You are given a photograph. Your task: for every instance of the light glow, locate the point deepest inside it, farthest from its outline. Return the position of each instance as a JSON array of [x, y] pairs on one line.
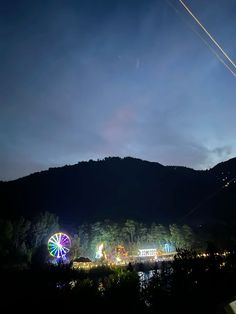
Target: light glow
[[100, 252]]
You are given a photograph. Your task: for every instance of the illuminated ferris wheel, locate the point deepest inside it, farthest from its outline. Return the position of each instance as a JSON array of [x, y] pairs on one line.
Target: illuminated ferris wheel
[[59, 245]]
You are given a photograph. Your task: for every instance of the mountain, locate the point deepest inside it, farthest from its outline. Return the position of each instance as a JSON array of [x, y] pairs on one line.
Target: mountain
[[121, 188]]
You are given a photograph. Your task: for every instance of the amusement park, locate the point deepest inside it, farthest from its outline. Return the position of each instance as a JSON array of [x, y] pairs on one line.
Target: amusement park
[[59, 245]]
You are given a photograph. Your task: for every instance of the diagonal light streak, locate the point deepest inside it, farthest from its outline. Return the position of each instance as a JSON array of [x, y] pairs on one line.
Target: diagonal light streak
[[216, 54], [204, 41], [209, 35]]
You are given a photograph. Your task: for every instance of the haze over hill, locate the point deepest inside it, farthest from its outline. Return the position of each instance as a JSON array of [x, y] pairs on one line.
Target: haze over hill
[[120, 188]]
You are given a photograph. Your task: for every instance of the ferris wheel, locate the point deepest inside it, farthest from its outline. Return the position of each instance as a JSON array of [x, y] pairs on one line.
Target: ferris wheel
[[59, 245]]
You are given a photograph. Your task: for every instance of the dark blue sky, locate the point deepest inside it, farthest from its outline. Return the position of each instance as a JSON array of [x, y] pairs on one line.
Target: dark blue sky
[[87, 79]]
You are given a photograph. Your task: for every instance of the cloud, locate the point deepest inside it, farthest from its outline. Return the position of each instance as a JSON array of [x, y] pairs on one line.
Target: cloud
[[222, 152], [91, 79]]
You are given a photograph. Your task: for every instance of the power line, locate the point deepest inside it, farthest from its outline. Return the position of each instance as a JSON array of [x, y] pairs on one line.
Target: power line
[[212, 39]]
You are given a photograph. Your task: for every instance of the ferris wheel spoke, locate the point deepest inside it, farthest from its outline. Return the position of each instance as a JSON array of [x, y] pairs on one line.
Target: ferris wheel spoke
[[58, 252], [61, 252], [53, 249], [66, 249], [53, 240], [52, 245], [59, 237]]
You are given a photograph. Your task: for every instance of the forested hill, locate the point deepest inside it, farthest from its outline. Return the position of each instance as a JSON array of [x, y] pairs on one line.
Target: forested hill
[[121, 188]]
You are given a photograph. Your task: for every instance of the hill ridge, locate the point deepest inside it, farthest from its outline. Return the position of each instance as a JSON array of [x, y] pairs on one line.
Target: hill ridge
[[117, 188]]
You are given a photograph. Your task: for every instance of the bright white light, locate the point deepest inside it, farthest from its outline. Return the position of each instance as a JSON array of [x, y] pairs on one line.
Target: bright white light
[[147, 252], [99, 251]]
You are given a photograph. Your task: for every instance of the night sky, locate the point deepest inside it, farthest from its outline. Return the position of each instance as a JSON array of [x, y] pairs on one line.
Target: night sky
[[82, 80]]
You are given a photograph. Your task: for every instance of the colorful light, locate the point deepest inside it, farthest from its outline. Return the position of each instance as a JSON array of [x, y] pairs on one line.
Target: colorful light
[[59, 245]]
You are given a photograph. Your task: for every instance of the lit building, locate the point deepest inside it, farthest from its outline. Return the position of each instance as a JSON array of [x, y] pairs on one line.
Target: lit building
[[147, 252]]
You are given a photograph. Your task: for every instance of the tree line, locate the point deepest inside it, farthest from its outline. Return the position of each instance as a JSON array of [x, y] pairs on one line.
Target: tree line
[[132, 235], [23, 241]]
